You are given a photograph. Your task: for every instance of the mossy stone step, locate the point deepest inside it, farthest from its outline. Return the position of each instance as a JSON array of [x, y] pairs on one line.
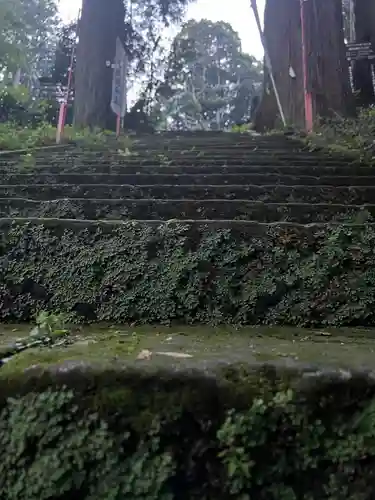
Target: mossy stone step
[[246, 160], [201, 144], [170, 169], [218, 146], [99, 344], [161, 272], [230, 159], [205, 136], [178, 209], [232, 149], [187, 179], [240, 228], [156, 156], [356, 195], [186, 166]]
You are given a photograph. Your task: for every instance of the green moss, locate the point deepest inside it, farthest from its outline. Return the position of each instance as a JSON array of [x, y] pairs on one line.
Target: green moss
[[105, 345], [98, 348], [254, 275], [143, 432]]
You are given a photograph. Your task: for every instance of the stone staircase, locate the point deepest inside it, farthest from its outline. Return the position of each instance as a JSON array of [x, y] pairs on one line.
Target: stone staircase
[[75, 250], [190, 177]]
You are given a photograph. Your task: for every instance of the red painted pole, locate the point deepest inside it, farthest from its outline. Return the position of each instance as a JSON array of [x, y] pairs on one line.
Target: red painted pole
[[309, 117], [118, 126], [65, 103], [60, 123]]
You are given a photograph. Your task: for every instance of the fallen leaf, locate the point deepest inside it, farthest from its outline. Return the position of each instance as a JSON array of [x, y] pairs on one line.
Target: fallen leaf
[[145, 354]]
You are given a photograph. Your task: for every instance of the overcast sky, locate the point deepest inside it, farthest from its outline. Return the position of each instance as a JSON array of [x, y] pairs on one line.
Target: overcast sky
[[236, 12]]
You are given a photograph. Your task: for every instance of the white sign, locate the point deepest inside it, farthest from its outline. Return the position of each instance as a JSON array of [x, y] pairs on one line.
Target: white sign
[[118, 102]]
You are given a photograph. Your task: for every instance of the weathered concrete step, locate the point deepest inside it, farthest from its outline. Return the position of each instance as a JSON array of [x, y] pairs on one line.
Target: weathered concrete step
[[187, 179], [253, 158], [355, 195], [242, 228], [219, 146], [145, 151], [224, 142], [149, 209], [226, 152], [107, 168], [135, 161], [159, 156], [204, 135]]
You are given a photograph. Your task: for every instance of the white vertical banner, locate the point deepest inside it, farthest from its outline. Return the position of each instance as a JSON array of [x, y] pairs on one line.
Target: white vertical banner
[[119, 97]]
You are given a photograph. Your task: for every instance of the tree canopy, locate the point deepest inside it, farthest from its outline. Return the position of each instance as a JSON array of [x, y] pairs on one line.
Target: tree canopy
[[27, 29], [204, 80], [140, 25], [209, 81]]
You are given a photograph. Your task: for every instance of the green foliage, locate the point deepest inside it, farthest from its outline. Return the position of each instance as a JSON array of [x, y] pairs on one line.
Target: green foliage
[[71, 453], [237, 433], [13, 137], [67, 40], [96, 138], [52, 324], [26, 30], [23, 138], [54, 450], [135, 272], [209, 81], [27, 160], [311, 446], [241, 128], [17, 107], [347, 135]]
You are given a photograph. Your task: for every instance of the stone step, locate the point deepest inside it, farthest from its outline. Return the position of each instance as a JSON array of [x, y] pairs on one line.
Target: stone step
[[206, 137], [220, 146], [242, 228], [356, 195], [157, 143], [187, 179], [181, 160], [224, 152], [107, 168], [88, 156], [148, 209]]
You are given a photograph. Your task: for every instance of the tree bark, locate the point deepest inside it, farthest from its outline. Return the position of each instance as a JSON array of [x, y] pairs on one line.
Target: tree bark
[[101, 23], [328, 72], [282, 32], [329, 68], [364, 11]]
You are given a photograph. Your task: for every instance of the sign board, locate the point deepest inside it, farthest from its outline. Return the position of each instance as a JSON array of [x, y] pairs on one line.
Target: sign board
[[118, 101], [359, 51]]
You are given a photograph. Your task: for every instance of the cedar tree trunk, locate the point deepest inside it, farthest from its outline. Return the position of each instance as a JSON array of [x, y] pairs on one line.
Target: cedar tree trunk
[[328, 73], [101, 23]]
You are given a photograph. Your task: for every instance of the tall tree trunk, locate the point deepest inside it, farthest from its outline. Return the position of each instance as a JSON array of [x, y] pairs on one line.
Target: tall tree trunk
[[328, 68], [328, 74], [101, 23], [282, 32], [364, 11]]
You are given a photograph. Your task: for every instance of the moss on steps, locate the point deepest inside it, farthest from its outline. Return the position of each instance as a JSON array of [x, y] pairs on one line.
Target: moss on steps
[[194, 347]]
